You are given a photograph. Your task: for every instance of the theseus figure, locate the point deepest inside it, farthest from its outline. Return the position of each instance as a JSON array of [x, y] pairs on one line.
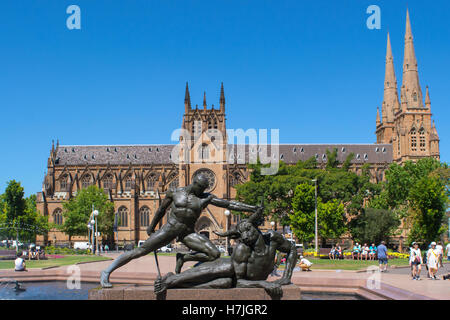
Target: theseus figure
[[186, 205], [251, 263]]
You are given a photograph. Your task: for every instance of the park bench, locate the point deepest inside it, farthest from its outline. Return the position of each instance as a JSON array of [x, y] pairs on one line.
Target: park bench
[[7, 254]]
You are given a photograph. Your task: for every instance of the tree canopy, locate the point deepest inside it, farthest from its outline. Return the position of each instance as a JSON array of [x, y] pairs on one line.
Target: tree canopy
[[77, 212]]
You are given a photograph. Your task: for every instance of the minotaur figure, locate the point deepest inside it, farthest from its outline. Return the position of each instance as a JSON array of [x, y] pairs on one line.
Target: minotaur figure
[[186, 205]]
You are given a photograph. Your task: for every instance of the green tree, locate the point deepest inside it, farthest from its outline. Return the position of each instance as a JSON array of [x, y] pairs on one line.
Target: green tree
[[15, 203], [32, 223], [77, 212], [330, 215], [400, 179], [303, 219], [374, 225], [429, 202], [331, 220], [19, 216]]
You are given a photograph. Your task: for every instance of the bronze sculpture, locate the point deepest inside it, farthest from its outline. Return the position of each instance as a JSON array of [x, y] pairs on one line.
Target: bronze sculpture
[[186, 205], [250, 264]]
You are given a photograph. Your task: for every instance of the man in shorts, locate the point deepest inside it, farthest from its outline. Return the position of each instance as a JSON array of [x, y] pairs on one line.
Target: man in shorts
[[382, 256]]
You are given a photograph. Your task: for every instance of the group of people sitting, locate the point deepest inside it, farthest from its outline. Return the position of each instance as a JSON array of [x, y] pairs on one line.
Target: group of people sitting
[[335, 252], [34, 252], [364, 252]]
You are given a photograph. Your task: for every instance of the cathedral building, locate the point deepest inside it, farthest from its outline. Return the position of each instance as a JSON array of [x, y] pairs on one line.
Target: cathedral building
[[136, 177]]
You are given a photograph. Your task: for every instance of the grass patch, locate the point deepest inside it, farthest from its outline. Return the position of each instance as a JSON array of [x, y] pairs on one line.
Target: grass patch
[[348, 264], [67, 260]]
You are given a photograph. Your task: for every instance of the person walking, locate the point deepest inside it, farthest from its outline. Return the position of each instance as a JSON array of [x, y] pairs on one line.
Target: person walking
[[415, 261], [440, 249], [382, 256], [433, 261]]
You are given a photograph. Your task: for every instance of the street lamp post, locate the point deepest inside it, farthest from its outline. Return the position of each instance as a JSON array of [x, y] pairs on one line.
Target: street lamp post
[[95, 214], [272, 223], [93, 235], [315, 220], [89, 234], [227, 214]]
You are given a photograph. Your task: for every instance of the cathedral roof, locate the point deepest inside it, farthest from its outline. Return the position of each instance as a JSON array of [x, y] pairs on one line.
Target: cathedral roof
[[292, 153], [114, 154], [161, 154]]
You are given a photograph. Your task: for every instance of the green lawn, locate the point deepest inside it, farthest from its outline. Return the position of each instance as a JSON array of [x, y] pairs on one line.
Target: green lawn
[[348, 264], [67, 260]]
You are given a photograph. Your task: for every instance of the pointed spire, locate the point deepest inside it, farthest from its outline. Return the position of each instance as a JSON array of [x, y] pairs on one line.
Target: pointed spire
[[391, 102], [427, 100], [378, 117], [434, 132], [187, 99], [408, 31], [222, 99], [204, 100], [411, 92]]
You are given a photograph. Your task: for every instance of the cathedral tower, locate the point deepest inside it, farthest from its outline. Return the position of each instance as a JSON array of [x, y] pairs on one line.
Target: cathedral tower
[[406, 125]]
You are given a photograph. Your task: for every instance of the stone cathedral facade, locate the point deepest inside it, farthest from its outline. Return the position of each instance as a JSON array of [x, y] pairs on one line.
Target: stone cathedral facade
[[136, 177]]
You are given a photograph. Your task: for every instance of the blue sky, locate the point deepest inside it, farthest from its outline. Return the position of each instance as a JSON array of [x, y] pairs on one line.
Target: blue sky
[[309, 68]]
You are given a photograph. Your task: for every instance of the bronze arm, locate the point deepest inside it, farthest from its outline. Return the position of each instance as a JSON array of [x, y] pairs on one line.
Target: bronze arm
[[233, 205], [159, 214]]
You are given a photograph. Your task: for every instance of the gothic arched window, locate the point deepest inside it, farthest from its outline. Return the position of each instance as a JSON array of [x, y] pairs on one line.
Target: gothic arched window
[[128, 182], [108, 181], [413, 139], [63, 183], [422, 144], [144, 216], [203, 151], [123, 217], [151, 182], [57, 217], [235, 179], [86, 181]]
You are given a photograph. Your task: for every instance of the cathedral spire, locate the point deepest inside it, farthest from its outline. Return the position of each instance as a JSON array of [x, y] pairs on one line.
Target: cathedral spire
[[204, 100], [434, 131], [187, 99], [378, 117], [411, 92], [427, 100], [222, 99], [390, 103]]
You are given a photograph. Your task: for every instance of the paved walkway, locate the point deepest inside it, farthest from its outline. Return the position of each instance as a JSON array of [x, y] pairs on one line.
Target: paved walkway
[[398, 277], [143, 270]]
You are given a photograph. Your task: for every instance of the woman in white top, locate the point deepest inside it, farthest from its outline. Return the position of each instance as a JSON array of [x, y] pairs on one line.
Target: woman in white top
[[433, 260], [415, 261]]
